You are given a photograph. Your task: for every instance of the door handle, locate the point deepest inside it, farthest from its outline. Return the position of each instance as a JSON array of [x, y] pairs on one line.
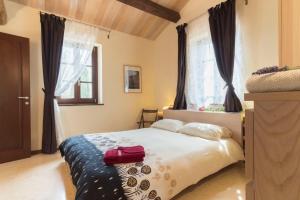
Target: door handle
[[26, 98]]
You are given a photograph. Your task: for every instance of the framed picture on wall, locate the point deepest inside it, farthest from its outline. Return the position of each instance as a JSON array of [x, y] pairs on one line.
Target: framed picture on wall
[[133, 79]]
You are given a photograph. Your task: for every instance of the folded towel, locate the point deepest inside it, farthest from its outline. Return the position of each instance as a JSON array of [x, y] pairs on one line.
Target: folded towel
[[267, 70], [274, 82], [124, 155]]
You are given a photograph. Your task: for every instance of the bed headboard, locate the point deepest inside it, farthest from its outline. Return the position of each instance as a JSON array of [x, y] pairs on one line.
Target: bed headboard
[[233, 121]]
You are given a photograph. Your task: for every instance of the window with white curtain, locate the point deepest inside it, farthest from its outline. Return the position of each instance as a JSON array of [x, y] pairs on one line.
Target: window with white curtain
[[86, 89], [79, 80], [204, 85]]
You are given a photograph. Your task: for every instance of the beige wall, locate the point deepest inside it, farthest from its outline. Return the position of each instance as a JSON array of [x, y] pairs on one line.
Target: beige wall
[[120, 110], [260, 40]]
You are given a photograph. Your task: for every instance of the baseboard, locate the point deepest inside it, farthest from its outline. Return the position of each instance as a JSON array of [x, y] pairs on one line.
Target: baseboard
[[35, 152]]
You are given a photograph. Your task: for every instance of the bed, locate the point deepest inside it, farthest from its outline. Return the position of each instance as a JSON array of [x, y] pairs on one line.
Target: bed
[[173, 161]]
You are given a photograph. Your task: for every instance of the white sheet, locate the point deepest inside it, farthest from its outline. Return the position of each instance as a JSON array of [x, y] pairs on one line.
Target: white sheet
[[176, 160]]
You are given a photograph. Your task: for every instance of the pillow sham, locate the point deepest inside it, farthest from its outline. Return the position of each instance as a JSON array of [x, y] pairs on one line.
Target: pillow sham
[[206, 131], [168, 124]]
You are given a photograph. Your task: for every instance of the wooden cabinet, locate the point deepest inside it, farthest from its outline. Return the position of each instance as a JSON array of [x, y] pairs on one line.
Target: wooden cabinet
[[273, 146], [289, 32]]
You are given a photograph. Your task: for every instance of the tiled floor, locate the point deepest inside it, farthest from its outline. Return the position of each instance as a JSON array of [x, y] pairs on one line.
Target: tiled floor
[[45, 177]]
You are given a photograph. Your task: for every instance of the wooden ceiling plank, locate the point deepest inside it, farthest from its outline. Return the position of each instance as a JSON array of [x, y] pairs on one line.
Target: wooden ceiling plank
[[41, 4], [158, 31], [64, 7], [80, 9], [154, 9], [153, 27], [49, 5], [34, 3], [179, 4], [139, 26], [91, 11], [72, 9], [133, 17], [101, 11], [107, 15], [121, 18], [148, 27], [111, 14]]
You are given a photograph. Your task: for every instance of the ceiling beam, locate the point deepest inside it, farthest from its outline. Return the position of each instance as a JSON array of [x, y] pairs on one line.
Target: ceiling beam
[[154, 9]]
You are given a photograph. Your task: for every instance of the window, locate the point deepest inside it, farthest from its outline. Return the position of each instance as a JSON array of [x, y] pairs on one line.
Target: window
[[85, 90], [204, 85]]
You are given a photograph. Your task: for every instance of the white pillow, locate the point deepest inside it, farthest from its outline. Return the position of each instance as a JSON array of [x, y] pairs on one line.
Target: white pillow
[[168, 124], [206, 131]]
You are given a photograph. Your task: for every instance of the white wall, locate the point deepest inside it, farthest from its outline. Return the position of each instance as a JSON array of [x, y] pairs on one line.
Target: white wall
[[260, 40], [120, 110]]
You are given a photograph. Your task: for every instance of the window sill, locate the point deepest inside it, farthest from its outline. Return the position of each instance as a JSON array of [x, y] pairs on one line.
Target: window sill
[[81, 104]]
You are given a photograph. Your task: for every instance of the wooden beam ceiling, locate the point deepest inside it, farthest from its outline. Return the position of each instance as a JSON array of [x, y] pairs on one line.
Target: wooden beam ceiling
[[154, 9], [110, 14]]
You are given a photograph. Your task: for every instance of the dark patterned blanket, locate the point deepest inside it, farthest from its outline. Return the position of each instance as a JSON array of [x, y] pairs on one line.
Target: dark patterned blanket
[[92, 178]]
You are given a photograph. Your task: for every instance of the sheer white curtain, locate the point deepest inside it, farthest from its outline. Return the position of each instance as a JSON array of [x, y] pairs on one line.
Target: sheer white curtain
[[204, 84], [79, 41]]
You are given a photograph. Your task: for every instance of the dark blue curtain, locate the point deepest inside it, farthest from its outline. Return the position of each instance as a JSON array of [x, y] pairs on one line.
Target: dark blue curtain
[[52, 28], [223, 28], [180, 100]]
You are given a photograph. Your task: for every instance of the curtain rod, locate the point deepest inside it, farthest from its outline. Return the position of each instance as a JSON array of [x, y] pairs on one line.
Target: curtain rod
[[81, 22], [193, 19]]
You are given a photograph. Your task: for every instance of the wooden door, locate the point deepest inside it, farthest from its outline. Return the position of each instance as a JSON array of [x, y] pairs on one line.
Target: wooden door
[[14, 98]]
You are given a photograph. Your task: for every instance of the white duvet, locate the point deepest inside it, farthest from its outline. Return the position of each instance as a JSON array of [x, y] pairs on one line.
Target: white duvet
[[173, 161]]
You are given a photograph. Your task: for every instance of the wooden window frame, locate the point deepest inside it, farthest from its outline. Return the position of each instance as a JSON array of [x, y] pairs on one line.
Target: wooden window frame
[[81, 101]]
